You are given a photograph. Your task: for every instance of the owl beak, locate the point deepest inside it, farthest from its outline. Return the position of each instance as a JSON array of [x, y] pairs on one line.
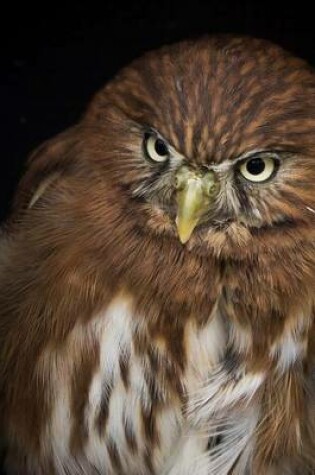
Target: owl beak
[[195, 192]]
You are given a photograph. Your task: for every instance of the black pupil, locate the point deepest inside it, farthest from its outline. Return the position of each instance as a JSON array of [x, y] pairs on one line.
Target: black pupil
[[255, 166], [160, 147]]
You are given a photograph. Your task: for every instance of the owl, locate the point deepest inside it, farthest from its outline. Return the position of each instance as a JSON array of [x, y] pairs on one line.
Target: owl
[[157, 274]]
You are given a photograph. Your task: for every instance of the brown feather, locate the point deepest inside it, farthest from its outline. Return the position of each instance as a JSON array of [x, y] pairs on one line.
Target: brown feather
[[89, 240]]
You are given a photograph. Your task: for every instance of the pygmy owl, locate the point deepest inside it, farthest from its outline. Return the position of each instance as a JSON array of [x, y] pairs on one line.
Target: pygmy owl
[[157, 274]]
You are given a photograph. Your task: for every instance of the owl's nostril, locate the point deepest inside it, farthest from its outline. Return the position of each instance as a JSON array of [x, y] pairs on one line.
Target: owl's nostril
[[210, 191], [181, 178], [209, 183]]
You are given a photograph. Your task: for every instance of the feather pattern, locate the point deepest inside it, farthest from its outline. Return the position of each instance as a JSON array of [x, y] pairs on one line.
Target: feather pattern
[[123, 351]]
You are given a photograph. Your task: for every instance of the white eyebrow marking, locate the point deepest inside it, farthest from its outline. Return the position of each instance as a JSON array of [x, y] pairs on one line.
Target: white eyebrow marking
[[310, 209]]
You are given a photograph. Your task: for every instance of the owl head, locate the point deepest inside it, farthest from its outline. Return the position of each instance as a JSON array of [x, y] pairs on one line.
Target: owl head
[[209, 144]]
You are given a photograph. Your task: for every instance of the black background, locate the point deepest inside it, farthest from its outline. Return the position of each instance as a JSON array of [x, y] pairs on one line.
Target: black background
[[55, 56]]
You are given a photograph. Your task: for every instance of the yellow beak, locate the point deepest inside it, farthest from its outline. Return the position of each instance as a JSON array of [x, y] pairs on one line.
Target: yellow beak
[[194, 195]]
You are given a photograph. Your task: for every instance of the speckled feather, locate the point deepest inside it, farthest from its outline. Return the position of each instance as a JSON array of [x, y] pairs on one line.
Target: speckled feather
[[124, 351]]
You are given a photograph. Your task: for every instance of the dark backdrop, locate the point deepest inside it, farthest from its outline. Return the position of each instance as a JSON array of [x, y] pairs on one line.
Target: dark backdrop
[[54, 57]]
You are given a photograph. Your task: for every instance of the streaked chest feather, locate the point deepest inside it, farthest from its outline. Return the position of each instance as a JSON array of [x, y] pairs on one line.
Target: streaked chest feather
[[120, 396], [123, 405]]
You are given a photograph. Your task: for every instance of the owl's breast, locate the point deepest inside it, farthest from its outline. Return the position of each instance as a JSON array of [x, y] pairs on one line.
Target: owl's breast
[[119, 394]]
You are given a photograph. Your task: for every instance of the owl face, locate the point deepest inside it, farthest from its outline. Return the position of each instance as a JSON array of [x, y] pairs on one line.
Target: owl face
[[216, 142], [209, 144], [214, 195]]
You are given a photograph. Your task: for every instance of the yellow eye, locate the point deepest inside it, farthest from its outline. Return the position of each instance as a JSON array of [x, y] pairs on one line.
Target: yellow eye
[[156, 149], [258, 169]]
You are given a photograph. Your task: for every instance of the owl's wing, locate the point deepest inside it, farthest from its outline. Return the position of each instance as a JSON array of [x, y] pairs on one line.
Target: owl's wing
[[32, 256]]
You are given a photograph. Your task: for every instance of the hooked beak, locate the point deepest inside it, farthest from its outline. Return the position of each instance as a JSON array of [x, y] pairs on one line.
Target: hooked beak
[[195, 191]]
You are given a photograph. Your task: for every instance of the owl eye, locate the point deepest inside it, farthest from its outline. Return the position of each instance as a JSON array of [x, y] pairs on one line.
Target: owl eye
[[155, 148], [258, 169]]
